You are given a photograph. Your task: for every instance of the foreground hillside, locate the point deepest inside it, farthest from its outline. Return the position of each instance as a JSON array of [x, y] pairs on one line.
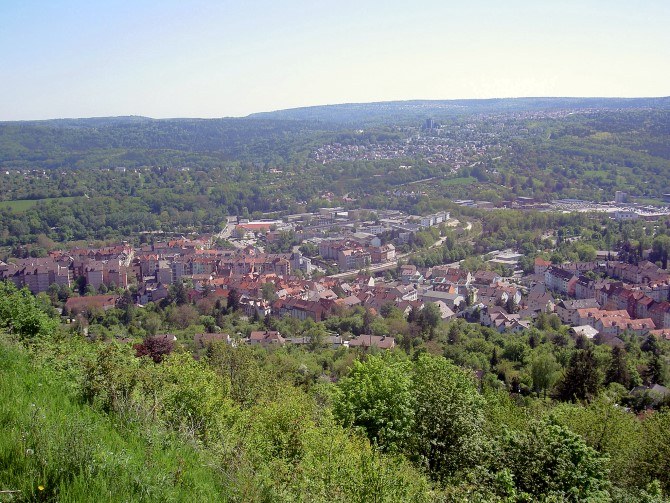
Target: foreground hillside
[[91, 421], [55, 447]]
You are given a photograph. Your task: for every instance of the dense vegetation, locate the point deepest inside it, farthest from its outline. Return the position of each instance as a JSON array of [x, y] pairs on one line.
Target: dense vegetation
[[541, 421], [417, 110]]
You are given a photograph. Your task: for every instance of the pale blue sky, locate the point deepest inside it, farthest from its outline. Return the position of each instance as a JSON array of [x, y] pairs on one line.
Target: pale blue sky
[[203, 58]]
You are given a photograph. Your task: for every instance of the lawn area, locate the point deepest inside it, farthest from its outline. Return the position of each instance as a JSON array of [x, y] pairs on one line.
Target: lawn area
[[602, 135], [468, 180], [21, 205], [651, 201]]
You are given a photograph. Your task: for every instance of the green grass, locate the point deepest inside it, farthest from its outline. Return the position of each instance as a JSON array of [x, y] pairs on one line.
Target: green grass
[[651, 201], [21, 205], [468, 180], [54, 448], [602, 135]]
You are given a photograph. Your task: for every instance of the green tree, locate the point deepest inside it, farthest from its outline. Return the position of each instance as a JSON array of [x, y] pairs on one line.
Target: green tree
[[654, 461], [617, 371], [209, 322], [376, 397], [314, 332], [110, 379], [550, 463], [279, 427], [543, 371], [430, 317], [510, 305], [233, 303], [582, 378], [269, 291], [152, 322], [191, 397], [656, 371], [388, 309], [249, 381], [126, 304], [610, 430], [661, 249], [21, 315], [178, 293], [447, 435]]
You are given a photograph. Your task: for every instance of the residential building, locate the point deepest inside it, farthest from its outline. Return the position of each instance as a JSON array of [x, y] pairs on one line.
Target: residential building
[[266, 338], [559, 280], [368, 341]]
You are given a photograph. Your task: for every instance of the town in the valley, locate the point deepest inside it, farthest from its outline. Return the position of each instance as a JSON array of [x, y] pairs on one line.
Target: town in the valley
[[347, 258]]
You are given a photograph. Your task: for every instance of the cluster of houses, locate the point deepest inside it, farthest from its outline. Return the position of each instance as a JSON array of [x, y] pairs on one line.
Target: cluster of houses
[[361, 236], [615, 298], [426, 142], [358, 252], [598, 299], [273, 338], [103, 266]]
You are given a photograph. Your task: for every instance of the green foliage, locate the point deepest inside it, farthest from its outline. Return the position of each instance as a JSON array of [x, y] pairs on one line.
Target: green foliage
[[376, 396], [582, 378], [176, 418], [550, 463], [276, 427], [189, 396], [252, 424], [111, 378], [448, 423], [284, 243], [618, 371], [544, 371], [654, 460], [269, 291], [610, 430], [53, 448], [22, 316], [240, 366], [430, 317]]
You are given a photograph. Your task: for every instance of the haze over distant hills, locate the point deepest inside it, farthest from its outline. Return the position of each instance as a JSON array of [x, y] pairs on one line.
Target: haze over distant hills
[[401, 111], [385, 111], [276, 137]]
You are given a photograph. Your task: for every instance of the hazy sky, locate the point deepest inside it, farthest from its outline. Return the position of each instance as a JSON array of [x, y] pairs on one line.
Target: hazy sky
[[196, 58]]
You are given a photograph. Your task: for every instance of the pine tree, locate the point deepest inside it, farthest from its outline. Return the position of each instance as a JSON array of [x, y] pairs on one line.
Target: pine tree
[[655, 371], [582, 377], [454, 335], [233, 300], [494, 358], [618, 368]]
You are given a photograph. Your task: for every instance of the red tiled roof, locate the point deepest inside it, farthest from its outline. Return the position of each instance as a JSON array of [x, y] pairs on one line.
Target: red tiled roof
[[76, 304]]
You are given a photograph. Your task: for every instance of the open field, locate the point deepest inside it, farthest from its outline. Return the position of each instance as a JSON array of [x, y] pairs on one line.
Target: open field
[[22, 205], [469, 180]]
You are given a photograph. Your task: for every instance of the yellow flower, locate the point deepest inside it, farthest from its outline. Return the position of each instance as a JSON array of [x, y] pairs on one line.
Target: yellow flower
[[41, 488]]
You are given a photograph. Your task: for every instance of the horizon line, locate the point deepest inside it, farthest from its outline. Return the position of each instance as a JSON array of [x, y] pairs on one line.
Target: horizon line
[[349, 103]]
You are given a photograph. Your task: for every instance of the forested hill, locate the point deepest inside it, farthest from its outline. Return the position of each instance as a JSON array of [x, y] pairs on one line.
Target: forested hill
[[118, 141], [411, 111], [271, 137]]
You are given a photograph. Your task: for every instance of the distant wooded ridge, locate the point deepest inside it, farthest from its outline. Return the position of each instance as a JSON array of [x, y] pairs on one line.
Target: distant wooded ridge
[[401, 110]]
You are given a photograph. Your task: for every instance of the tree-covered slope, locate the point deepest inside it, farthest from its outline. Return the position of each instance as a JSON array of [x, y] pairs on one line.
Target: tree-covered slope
[[360, 114], [85, 420]]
